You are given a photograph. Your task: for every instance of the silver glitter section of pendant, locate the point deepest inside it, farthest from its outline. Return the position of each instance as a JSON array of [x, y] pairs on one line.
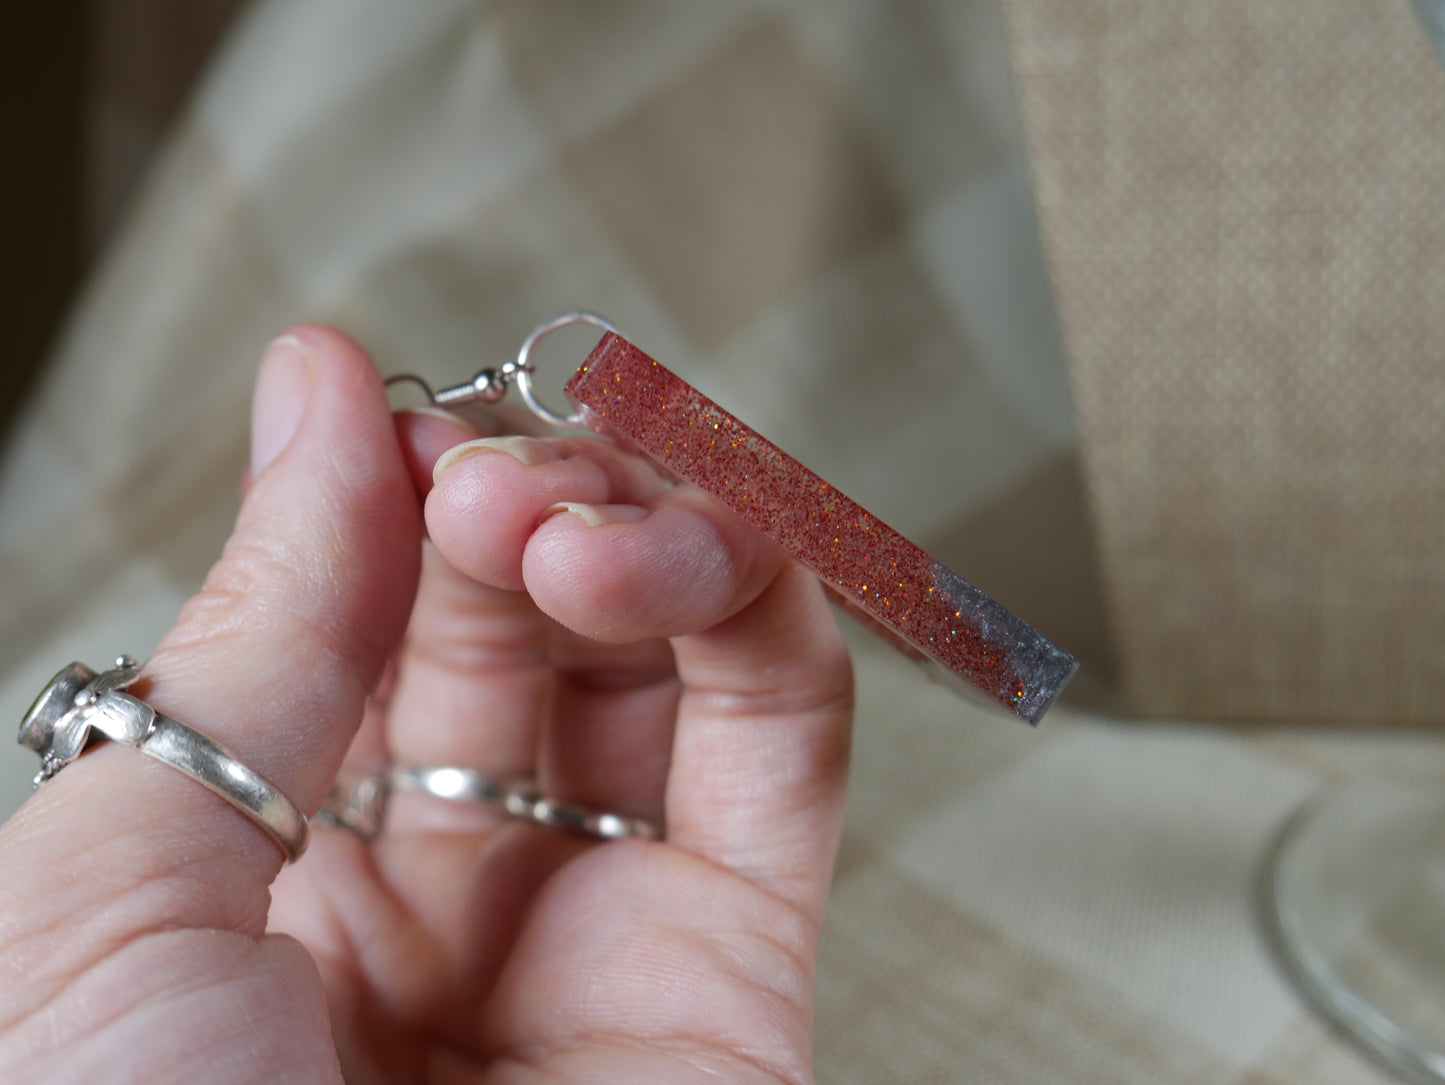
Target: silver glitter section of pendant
[[1042, 667]]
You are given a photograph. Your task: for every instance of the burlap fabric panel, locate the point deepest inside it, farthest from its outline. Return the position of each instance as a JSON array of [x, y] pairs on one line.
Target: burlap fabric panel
[[1242, 205]]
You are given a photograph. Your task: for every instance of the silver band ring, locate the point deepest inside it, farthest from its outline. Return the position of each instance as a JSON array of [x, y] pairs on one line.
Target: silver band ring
[[80, 707], [355, 802], [358, 803], [531, 805], [448, 782]]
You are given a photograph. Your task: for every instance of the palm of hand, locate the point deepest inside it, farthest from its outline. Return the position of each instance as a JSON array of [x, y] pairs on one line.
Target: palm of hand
[[628, 962], [463, 946]]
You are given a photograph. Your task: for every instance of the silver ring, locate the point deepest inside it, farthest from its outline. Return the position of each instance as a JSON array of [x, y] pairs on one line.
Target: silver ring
[[523, 364], [355, 802], [358, 802], [448, 782], [529, 804], [80, 707]]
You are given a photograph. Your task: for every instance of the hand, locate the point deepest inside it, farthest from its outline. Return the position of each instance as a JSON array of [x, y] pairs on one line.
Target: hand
[[642, 651]]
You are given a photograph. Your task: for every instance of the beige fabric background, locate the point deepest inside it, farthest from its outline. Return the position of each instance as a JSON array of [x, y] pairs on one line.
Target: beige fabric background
[[1242, 206], [822, 214]]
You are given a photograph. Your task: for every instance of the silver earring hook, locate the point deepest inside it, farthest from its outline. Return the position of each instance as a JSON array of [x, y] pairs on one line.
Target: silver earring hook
[[490, 385]]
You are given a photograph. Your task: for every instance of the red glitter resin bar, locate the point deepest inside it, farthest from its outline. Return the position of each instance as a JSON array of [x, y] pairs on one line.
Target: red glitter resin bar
[[926, 609]]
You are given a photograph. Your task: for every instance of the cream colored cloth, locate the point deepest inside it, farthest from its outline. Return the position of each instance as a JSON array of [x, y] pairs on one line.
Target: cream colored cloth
[[818, 212]]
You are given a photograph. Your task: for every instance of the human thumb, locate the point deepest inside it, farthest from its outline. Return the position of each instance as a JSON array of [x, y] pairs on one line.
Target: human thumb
[[273, 659]]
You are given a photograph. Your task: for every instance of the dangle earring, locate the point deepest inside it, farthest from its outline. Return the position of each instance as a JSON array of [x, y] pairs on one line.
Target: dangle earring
[[926, 610]]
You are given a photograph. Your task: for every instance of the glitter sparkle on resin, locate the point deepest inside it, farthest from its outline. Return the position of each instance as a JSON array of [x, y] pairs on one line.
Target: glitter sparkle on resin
[[926, 609]]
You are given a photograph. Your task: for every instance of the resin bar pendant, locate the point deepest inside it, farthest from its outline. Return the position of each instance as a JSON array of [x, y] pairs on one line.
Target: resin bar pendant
[[927, 610]]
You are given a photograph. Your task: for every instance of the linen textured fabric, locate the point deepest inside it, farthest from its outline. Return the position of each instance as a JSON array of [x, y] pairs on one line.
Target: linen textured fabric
[[821, 214], [1239, 204]]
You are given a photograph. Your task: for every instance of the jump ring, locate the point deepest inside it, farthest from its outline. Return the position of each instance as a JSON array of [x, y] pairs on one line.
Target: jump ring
[[524, 361]]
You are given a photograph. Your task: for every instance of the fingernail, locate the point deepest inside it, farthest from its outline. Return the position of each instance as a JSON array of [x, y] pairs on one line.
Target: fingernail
[[597, 515], [282, 388], [526, 450]]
